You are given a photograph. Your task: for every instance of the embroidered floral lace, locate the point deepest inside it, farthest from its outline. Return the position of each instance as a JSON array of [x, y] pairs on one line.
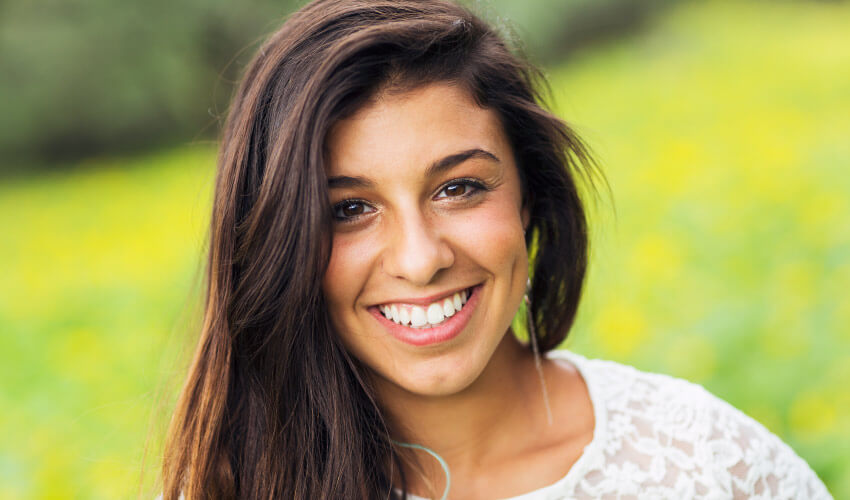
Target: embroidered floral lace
[[657, 437]]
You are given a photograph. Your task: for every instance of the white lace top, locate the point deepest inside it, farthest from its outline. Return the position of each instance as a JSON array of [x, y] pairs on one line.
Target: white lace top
[[658, 437]]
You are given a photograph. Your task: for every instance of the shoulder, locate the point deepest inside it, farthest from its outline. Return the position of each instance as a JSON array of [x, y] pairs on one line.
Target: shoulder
[[674, 432]]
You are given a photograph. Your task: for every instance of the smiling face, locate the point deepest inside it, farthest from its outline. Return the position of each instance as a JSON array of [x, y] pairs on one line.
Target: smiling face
[[429, 264]]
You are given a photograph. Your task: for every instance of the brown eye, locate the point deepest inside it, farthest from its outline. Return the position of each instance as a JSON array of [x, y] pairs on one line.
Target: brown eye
[[455, 190], [460, 189], [351, 209]]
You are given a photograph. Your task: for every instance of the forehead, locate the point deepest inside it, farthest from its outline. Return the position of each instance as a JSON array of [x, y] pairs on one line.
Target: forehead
[[413, 128]]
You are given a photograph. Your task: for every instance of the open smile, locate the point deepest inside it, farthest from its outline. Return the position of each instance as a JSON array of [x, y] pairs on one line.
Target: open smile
[[428, 321], [428, 315]]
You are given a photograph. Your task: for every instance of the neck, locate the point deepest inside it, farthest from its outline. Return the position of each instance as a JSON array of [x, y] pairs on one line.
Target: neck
[[480, 423]]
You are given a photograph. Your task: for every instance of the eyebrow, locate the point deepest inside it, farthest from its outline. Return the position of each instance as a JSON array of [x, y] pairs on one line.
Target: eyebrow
[[438, 167]]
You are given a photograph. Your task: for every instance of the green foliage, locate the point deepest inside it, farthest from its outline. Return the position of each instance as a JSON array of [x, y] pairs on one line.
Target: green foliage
[[550, 30], [83, 77], [722, 133], [98, 264]]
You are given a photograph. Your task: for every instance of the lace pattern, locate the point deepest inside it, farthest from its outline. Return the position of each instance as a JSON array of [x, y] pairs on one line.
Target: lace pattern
[[658, 437]]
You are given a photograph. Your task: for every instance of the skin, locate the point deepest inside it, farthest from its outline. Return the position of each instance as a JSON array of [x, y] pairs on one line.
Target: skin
[[407, 231]]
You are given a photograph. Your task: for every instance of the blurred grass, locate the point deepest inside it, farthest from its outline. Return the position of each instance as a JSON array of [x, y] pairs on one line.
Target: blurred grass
[[722, 131], [98, 266]]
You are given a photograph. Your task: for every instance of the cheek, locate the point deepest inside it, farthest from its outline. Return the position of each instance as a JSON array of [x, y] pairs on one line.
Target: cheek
[[493, 235], [347, 272]]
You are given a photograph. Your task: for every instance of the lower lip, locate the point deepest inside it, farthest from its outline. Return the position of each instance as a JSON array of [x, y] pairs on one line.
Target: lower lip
[[443, 332]]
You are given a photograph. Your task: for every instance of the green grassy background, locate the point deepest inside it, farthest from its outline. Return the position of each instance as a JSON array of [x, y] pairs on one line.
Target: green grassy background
[[723, 132]]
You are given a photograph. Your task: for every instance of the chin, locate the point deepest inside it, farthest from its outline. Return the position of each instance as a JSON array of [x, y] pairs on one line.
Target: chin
[[439, 385], [441, 376]]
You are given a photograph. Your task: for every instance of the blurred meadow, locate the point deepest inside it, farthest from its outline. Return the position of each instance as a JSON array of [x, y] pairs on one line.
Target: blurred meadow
[[725, 258]]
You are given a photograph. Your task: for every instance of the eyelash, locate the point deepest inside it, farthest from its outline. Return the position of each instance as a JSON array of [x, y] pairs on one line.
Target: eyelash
[[476, 185]]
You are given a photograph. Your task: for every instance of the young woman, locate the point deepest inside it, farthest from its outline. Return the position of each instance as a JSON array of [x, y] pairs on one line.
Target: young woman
[[390, 195]]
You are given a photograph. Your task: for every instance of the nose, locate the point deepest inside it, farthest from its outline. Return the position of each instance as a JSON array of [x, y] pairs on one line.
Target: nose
[[416, 250]]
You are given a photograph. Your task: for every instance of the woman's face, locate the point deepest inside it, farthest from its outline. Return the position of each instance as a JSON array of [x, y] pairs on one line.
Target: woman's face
[[429, 264]]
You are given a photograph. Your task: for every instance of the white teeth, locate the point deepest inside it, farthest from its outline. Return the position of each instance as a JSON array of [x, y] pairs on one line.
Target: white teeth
[[448, 308], [417, 316], [428, 316], [435, 314]]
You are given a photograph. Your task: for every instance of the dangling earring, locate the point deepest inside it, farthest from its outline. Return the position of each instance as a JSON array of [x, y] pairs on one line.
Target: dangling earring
[[532, 338]]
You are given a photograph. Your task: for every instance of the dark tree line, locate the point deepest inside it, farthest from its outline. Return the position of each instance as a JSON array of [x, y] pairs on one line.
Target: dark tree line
[[85, 77]]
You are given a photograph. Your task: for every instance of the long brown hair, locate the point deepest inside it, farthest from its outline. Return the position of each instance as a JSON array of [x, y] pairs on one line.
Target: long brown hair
[[274, 406]]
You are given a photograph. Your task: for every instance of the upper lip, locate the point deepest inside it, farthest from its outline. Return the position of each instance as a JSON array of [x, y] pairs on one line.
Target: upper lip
[[425, 300]]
